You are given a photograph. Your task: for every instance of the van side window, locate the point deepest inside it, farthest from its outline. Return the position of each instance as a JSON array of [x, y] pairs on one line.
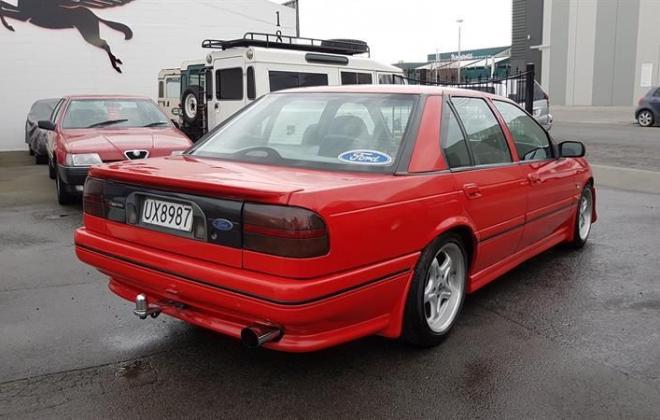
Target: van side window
[[288, 79], [354, 78], [161, 89], [251, 87], [229, 84], [485, 136]]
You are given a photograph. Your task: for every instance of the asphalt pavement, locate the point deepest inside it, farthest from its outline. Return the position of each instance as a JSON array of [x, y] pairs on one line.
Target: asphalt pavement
[[611, 136], [569, 334]]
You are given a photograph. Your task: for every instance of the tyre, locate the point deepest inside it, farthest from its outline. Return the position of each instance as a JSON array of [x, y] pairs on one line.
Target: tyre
[[583, 219], [51, 169], [192, 104], [63, 195], [645, 118], [40, 159], [437, 292]]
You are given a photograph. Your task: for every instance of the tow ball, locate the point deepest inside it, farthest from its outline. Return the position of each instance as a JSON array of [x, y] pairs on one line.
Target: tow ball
[[143, 309]]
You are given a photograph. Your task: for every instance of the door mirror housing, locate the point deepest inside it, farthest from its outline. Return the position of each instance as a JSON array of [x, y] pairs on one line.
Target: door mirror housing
[[572, 149], [46, 125]]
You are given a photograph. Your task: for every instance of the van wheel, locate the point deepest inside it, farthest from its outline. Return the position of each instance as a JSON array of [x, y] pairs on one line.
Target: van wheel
[[437, 292], [192, 104], [63, 195]]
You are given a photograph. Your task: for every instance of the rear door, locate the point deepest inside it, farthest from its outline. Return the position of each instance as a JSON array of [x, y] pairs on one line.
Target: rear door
[[484, 168], [552, 182], [229, 93]]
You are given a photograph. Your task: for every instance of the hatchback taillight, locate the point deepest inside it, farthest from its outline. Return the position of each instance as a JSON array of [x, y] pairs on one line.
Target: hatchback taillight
[[284, 231], [93, 198]]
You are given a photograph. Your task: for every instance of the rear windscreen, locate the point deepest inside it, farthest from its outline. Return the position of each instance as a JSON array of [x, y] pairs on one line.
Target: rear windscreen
[[362, 132]]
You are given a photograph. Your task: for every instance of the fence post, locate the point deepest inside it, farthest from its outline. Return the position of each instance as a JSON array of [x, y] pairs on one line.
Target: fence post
[[529, 88]]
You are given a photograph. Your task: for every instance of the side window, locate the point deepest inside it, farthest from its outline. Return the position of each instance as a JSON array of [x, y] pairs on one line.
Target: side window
[[353, 78], [657, 93], [485, 137], [288, 79], [531, 140], [353, 111], [229, 84], [251, 87], [455, 147], [161, 89], [296, 123]]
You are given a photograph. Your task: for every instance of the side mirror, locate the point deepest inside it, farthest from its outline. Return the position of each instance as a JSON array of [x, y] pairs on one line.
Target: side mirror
[[571, 149], [46, 125]]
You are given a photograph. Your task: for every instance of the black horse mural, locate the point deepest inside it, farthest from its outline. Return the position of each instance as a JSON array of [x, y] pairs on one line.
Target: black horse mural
[[66, 14]]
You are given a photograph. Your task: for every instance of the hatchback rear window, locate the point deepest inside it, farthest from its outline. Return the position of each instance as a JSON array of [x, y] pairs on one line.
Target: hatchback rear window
[[317, 130]]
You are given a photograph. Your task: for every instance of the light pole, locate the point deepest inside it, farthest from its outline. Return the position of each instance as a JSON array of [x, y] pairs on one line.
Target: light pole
[[460, 22]]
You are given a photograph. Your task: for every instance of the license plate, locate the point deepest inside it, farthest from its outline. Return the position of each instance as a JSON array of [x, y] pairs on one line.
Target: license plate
[[167, 214]]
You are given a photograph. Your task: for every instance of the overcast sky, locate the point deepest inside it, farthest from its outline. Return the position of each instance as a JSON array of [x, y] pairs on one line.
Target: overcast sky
[[408, 30]]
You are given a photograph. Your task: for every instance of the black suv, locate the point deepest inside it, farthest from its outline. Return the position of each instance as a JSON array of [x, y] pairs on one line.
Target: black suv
[[648, 111]]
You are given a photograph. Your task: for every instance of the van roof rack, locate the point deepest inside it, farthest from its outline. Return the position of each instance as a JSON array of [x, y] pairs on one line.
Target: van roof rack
[[285, 42]]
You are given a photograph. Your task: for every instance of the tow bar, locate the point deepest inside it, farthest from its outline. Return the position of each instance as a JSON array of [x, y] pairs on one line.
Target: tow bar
[[143, 309]]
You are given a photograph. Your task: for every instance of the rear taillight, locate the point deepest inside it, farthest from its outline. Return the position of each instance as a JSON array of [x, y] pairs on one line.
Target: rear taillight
[[93, 198], [284, 231]]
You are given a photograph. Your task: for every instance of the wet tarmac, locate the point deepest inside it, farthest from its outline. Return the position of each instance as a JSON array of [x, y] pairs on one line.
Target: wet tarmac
[[568, 334]]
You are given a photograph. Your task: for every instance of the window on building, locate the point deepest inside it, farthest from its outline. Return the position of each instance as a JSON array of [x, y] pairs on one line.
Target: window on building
[[251, 87], [288, 79], [455, 146], [229, 84], [485, 137], [531, 140], [354, 78]]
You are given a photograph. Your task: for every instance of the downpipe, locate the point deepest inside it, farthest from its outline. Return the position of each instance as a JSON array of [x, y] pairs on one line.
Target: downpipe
[[256, 336]]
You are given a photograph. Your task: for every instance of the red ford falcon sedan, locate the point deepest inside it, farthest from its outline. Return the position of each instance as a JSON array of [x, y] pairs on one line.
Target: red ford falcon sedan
[[89, 130], [322, 215]]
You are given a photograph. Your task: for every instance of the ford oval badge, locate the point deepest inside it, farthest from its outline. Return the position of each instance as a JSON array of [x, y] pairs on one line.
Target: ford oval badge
[[365, 157], [223, 225]]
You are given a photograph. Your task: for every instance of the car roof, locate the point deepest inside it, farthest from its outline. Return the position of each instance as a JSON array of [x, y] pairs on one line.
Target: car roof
[[395, 89], [71, 97]]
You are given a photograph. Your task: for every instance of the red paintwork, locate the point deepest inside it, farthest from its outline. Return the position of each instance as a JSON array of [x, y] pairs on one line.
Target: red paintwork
[[111, 142], [378, 226]]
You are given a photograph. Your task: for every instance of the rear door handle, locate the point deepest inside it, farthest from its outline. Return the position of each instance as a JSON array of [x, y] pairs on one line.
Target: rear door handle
[[472, 191]]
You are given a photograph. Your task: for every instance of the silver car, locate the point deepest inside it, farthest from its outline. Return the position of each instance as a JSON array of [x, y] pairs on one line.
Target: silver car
[[542, 107]]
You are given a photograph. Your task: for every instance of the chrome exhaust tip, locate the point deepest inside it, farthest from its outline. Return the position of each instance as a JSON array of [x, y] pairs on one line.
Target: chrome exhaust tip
[[255, 336], [143, 309]]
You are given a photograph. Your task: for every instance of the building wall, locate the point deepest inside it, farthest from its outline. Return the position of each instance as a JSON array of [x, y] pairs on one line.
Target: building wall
[[594, 51], [42, 63], [527, 31]]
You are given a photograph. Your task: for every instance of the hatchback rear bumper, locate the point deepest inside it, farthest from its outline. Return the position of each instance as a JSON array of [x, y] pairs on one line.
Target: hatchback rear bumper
[[313, 314]]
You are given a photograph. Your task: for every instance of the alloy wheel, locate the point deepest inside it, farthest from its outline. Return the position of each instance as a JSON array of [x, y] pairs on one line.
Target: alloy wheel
[[444, 287]]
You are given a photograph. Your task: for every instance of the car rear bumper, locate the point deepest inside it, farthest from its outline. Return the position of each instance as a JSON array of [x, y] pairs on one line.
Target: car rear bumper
[[313, 314]]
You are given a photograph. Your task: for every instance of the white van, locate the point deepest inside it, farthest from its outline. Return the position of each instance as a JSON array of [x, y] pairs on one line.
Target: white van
[[169, 92], [241, 70]]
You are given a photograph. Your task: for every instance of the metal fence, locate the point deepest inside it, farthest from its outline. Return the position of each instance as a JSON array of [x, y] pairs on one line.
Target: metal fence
[[518, 87]]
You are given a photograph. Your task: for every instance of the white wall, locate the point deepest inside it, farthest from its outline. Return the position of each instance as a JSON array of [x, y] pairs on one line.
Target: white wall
[[40, 63], [648, 45]]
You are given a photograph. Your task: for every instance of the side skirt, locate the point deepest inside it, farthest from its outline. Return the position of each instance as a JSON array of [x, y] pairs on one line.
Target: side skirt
[[485, 276]]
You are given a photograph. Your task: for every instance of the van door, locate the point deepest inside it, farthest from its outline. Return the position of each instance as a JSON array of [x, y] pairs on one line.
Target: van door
[[229, 94]]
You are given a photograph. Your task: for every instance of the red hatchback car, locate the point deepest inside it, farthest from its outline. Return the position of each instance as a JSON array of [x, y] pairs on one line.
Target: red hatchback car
[[90, 130], [321, 215]]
